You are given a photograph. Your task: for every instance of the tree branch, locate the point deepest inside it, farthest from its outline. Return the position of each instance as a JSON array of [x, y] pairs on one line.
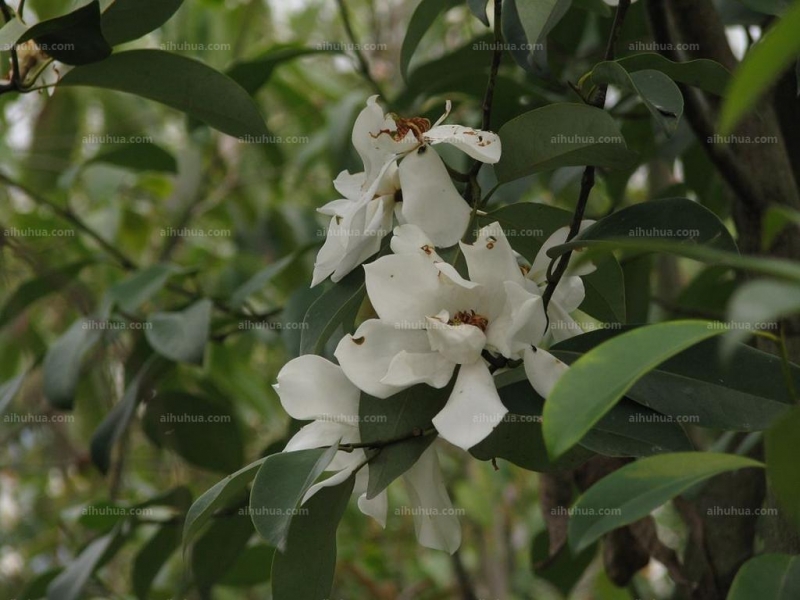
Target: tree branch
[[362, 60]]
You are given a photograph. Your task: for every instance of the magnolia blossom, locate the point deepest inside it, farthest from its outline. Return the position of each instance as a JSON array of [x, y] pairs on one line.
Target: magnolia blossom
[[431, 320], [312, 388], [404, 177]]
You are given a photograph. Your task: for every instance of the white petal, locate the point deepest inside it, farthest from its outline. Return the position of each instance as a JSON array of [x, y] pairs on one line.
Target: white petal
[[322, 434], [570, 293], [435, 524], [350, 186], [461, 344], [538, 272], [404, 289], [562, 325], [430, 200], [311, 387], [365, 356], [350, 462], [480, 145], [330, 255], [490, 260], [363, 231], [521, 324], [543, 370], [411, 368], [376, 507], [372, 139], [473, 410], [410, 239]]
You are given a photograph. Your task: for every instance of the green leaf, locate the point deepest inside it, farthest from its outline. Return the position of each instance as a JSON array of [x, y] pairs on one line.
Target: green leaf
[[304, 571], [763, 65], [138, 157], [35, 289], [605, 292], [782, 448], [538, 17], [127, 20], [219, 548], [561, 135], [674, 219], [743, 392], [181, 336], [657, 91], [253, 74], [759, 305], [250, 568], [280, 484], [137, 289], [151, 558], [597, 380], [702, 73], [634, 491], [185, 423], [776, 219], [9, 389], [337, 306], [478, 8], [768, 7], [425, 14], [74, 39], [178, 82], [62, 363], [118, 419], [216, 497], [70, 582], [384, 419], [768, 577]]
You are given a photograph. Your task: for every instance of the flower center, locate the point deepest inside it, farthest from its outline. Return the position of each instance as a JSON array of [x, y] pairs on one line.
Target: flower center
[[418, 125], [469, 317]]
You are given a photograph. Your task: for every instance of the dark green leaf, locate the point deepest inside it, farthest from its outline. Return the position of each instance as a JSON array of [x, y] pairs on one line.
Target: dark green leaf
[[138, 157], [253, 74], [478, 8], [657, 91], [9, 389], [179, 82], [251, 567], [782, 448], [62, 363], [217, 549], [333, 308], [304, 571], [74, 39], [280, 484], [185, 423], [137, 289], [383, 419], [127, 20], [152, 556], [702, 73], [70, 582], [561, 135]]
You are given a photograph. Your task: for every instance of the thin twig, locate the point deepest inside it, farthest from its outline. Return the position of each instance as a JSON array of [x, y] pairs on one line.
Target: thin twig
[[414, 433], [588, 178], [362, 60]]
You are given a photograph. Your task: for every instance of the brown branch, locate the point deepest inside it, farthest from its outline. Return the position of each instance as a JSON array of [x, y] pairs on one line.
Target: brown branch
[[362, 60]]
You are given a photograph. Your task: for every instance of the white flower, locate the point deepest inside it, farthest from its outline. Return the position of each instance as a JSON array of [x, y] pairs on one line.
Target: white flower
[[401, 175], [312, 388], [432, 319], [570, 292]]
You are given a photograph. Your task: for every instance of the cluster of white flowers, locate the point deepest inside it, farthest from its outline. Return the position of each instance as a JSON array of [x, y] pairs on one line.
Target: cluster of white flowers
[[431, 321]]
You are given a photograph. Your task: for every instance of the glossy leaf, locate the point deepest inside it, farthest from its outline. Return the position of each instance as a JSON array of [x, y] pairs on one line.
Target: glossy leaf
[[597, 380], [217, 550], [634, 491], [254, 73], [62, 363], [335, 307], [478, 8], [74, 39], [152, 557], [179, 82], [561, 135], [127, 20]]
